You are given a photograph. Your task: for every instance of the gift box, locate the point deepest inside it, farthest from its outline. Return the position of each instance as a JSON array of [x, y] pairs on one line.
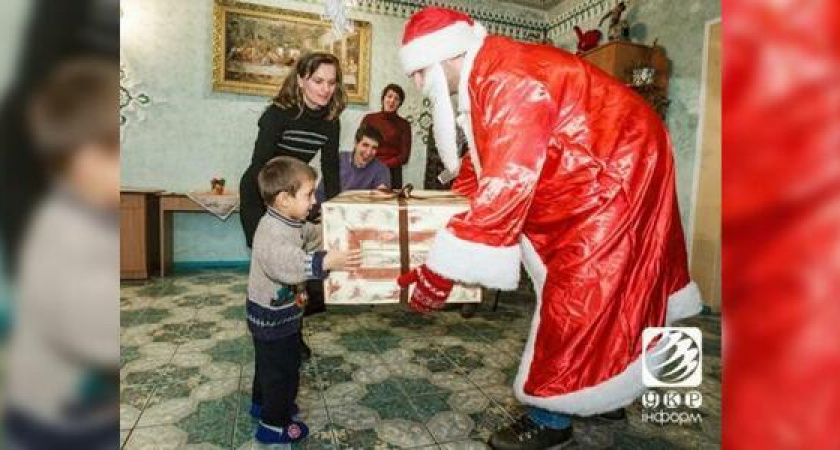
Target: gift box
[[394, 230]]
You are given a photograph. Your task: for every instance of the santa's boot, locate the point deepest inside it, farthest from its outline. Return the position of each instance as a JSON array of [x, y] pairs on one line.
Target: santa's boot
[[525, 434], [614, 415]]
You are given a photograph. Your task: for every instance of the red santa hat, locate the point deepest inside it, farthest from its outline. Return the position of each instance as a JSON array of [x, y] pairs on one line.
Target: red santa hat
[[433, 35], [436, 34]]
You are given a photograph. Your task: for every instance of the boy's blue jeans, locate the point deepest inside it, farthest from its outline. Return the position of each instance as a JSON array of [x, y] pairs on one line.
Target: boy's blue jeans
[[549, 419]]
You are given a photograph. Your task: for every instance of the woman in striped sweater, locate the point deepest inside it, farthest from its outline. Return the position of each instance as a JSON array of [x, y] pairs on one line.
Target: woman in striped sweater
[[301, 121]]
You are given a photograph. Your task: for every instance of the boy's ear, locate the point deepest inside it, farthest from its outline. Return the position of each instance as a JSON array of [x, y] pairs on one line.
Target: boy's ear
[[282, 197]]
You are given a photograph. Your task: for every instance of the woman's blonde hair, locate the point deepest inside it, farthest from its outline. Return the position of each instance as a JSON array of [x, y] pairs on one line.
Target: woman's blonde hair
[[291, 95]]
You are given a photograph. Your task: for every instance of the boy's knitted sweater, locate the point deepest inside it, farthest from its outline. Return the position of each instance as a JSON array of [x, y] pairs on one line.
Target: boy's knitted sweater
[[285, 254]]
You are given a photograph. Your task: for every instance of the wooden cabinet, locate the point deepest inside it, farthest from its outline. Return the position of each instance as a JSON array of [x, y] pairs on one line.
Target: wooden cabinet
[[620, 59], [139, 233]]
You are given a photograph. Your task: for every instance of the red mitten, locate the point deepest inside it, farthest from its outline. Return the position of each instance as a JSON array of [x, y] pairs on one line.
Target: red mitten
[[431, 291]]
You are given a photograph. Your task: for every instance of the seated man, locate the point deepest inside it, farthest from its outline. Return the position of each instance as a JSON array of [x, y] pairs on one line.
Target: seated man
[[360, 169]]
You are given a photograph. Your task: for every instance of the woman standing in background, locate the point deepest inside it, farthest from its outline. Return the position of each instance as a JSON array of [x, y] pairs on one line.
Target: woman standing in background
[[395, 148]]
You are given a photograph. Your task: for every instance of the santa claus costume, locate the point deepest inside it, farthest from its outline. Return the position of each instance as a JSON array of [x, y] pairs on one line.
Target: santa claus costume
[[571, 174]]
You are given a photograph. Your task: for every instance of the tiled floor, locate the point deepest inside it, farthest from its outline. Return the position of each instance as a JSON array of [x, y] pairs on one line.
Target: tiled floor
[[380, 377]]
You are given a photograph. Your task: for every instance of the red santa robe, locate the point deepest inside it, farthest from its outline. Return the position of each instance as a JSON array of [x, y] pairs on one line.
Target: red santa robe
[[572, 174]]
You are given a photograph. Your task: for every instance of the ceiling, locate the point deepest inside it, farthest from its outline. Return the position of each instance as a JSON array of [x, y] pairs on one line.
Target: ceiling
[[544, 5]]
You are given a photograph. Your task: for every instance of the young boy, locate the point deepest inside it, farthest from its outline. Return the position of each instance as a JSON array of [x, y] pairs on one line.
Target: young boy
[[284, 256]]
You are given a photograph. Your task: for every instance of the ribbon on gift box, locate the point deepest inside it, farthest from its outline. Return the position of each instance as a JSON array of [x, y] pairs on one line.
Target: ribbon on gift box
[[402, 197]]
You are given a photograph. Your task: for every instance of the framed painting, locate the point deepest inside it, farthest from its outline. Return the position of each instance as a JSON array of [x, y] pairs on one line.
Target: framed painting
[[256, 46]]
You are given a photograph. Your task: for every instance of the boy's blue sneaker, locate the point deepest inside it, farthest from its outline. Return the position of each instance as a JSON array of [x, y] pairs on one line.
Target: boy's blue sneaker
[[293, 432]]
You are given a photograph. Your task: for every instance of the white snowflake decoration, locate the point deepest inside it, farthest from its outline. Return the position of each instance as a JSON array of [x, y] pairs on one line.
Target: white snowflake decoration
[[132, 100]]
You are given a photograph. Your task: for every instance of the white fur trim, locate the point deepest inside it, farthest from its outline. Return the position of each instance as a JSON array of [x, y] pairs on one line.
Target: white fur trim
[[464, 108], [466, 70], [608, 395], [443, 116], [684, 303], [474, 263], [443, 44]]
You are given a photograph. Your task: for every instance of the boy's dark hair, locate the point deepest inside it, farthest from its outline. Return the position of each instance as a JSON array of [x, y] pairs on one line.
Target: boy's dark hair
[[283, 174], [370, 132], [75, 106], [397, 89]]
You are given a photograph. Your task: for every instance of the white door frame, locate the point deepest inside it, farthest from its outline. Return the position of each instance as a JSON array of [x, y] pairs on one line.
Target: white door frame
[[698, 148]]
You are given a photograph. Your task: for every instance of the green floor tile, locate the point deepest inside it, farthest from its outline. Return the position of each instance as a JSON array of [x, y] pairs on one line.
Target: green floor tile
[[184, 332], [200, 300], [330, 363], [167, 374], [161, 288], [332, 377], [235, 312], [371, 439], [383, 344], [240, 344], [128, 354], [414, 387], [136, 396], [386, 389], [142, 316], [212, 423], [428, 405], [390, 408]]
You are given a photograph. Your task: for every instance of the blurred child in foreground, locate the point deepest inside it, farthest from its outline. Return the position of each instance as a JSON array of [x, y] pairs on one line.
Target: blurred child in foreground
[[62, 381]]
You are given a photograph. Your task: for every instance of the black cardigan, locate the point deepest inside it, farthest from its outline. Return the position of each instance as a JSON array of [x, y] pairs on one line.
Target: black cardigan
[[286, 132]]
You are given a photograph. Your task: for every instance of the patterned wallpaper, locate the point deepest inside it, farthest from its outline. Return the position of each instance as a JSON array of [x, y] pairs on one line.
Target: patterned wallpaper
[[499, 17], [196, 133], [133, 100], [584, 13]]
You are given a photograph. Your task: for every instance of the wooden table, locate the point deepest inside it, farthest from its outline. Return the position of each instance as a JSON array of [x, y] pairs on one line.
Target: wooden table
[[172, 202]]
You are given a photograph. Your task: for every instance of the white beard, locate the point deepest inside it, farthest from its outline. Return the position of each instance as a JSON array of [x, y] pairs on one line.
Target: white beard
[[443, 116]]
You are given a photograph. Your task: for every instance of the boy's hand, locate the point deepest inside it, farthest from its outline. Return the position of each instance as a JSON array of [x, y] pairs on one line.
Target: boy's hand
[[431, 291], [343, 260]]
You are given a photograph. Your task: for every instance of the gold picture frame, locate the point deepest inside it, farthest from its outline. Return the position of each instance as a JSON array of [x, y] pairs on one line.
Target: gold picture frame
[[256, 46]]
